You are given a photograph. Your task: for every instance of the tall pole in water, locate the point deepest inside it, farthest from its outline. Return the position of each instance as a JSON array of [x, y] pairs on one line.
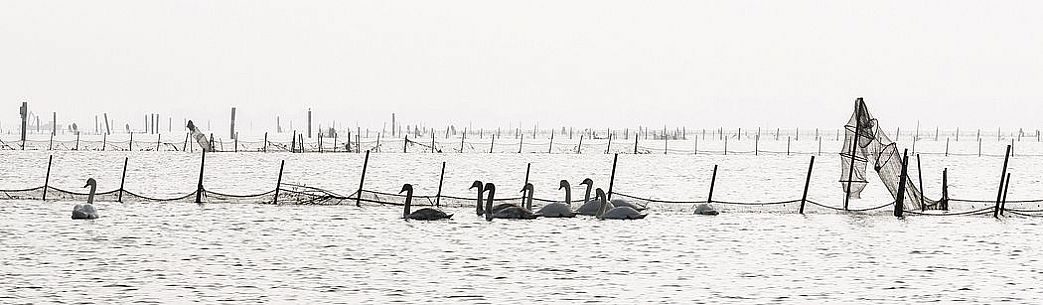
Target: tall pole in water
[[231, 133], [24, 111], [854, 146], [309, 123]]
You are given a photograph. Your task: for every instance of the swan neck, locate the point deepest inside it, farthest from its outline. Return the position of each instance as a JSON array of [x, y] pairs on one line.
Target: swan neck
[[489, 204], [90, 197], [587, 196], [409, 199]]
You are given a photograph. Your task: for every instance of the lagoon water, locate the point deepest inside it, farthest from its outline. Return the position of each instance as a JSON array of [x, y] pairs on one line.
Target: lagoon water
[[248, 253]]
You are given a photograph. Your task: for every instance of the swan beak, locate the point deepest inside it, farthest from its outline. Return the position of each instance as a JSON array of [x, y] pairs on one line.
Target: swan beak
[[86, 185]]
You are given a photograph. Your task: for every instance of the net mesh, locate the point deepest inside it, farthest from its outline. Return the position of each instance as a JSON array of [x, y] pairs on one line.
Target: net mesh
[[865, 142]]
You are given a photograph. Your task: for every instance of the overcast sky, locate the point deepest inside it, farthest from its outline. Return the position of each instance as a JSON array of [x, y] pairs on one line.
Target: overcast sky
[[497, 63]]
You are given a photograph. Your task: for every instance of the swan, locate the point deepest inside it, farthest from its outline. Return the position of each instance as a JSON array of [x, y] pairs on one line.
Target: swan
[[559, 209], [481, 189], [87, 211], [589, 207], [421, 214], [616, 213], [705, 209], [512, 212], [623, 203]]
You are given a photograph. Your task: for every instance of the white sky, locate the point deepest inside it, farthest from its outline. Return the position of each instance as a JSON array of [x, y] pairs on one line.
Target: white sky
[[497, 63]]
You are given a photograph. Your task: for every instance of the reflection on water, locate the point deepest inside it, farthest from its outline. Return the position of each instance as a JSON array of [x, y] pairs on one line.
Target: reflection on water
[[251, 253]]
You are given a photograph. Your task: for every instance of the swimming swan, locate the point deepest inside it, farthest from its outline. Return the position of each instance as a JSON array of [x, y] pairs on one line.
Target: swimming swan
[[705, 209], [559, 209], [512, 212], [421, 214], [616, 213], [87, 211], [589, 207]]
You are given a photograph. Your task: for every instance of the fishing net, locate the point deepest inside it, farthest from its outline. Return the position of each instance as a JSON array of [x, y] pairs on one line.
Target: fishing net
[[865, 142]]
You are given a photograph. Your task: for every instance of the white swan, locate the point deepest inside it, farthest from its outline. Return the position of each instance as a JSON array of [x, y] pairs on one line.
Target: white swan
[[705, 209], [512, 212], [479, 207], [589, 207], [616, 213], [421, 214], [87, 211], [558, 209]]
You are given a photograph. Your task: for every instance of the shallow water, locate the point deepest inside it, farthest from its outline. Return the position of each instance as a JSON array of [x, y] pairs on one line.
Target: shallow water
[[250, 253], [247, 253]]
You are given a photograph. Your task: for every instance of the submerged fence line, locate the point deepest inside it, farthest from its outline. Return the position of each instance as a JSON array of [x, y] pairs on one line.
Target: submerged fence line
[[288, 193]]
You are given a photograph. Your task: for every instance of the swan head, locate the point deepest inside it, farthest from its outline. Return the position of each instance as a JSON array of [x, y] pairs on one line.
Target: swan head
[[190, 125], [406, 188], [476, 184], [527, 187], [563, 184], [90, 182], [587, 181]]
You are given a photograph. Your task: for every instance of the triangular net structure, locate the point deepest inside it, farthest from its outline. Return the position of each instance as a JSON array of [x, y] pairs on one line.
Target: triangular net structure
[[872, 146]]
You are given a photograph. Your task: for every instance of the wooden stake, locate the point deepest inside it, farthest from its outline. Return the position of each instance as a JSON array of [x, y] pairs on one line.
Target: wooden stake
[[807, 183], [362, 180], [47, 179], [278, 183], [612, 177], [199, 187], [1003, 175], [900, 198], [713, 180], [123, 178], [438, 196]]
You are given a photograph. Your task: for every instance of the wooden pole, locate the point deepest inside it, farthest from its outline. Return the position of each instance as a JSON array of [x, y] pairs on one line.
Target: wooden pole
[[293, 142], [362, 180], [521, 141], [159, 137], [1006, 188], [104, 141], [527, 168], [1003, 175], [264, 147], [462, 137], [405, 144], [945, 189], [612, 177], [77, 141], [199, 187], [278, 183], [47, 179], [492, 143], [713, 180], [854, 147], [807, 183], [757, 145], [550, 146], [131, 146], [441, 178], [579, 148], [123, 178], [900, 198], [919, 175]]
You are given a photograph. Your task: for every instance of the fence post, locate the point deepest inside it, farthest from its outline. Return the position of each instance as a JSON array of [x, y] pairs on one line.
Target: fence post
[[579, 148], [123, 178], [1006, 187], [293, 142], [278, 183], [1003, 175], [612, 177], [550, 147], [130, 147], [50, 143], [900, 198], [713, 180], [725, 145], [47, 179], [946, 147], [158, 138], [104, 141], [199, 187], [527, 168], [77, 141], [264, 147], [438, 196], [807, 183], [757, 145], [492, 143], [521, 140], [405, 144], [919, 175], [635, 144], [609, 147], [358, 196]]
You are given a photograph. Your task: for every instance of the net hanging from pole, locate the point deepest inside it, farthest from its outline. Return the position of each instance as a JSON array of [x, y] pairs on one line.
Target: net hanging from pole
[[873, 146]]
